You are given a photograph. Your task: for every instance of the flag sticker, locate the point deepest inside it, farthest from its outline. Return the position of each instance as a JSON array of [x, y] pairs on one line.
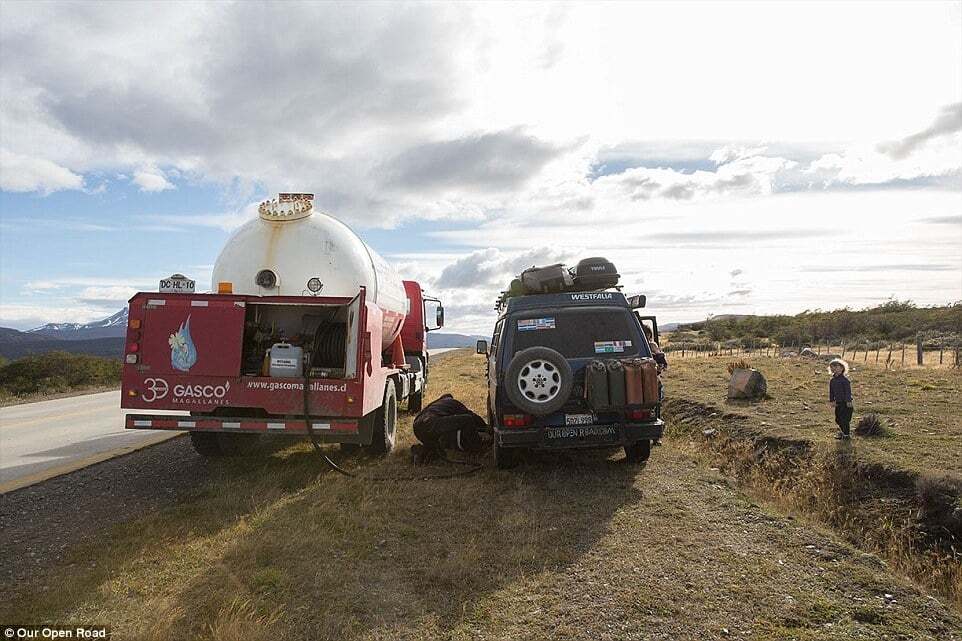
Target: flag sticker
[[611, 347], [535, 324]]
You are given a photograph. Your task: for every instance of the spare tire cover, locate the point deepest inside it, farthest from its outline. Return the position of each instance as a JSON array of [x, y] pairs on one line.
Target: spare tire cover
[[538, 380]]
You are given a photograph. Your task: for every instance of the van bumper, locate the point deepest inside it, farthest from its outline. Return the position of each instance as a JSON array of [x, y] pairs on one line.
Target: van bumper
[[581, 436]]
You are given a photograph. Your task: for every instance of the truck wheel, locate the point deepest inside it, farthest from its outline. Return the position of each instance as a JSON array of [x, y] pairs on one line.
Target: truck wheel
[[206, 443], [504, 458], [538, 380], [385, 422], [638, 452], [415, 401]]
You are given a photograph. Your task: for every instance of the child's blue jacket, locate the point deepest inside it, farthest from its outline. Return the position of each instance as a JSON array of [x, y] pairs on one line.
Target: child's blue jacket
[[840, 389]]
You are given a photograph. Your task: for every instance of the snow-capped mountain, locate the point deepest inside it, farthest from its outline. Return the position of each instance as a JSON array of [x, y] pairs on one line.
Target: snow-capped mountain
[[110, 327]]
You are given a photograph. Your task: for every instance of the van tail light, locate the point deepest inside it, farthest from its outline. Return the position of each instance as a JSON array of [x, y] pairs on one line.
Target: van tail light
[[639, 415], [517, 420]]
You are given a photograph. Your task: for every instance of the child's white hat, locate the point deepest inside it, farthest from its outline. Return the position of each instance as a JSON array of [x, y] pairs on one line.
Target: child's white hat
[[838, 361]]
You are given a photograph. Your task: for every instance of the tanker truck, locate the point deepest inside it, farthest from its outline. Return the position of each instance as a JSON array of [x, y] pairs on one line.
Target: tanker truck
[[306, 331]]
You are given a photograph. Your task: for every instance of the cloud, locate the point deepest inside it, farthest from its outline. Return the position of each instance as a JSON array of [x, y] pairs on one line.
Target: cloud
[[949, 121], [920, 267], [729, 236], [498, 161], [151, 180], [734, 272], [943, 220], [490, 267], [106, 295], [29, 173]]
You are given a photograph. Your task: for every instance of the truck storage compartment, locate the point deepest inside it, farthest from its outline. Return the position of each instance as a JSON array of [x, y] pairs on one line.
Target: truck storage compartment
[[320, 339], [190, 335]]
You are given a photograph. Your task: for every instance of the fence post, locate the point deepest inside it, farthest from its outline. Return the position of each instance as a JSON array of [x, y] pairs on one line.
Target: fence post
[[888, 359], [865, 359], [956, 356], [941, 347], [877, 351], [918, 348], [903, 354], [843, 349]]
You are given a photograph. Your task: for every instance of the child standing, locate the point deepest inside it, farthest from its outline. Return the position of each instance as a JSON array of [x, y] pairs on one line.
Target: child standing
[[840, 396]]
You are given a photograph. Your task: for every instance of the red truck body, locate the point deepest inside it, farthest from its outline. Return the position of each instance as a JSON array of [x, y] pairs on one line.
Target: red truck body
[[222, 394]]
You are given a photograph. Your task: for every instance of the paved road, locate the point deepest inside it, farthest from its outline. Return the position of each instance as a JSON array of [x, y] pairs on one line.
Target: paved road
[[40, 440]]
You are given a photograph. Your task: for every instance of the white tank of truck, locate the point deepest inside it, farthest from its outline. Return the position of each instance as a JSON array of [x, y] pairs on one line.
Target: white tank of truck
[[292, 250]]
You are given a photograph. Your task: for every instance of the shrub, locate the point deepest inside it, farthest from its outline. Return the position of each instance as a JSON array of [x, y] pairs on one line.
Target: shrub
[[871, 425], [57, 372], [739, 364]]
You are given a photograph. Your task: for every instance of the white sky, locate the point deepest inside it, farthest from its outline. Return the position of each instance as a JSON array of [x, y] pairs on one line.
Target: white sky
[[686, 141]]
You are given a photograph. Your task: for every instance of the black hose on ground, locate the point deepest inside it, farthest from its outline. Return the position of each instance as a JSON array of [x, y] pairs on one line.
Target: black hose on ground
[[474, 467]]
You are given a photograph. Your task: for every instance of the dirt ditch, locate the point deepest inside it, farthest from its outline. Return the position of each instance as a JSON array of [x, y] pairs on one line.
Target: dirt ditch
[[911, 519]]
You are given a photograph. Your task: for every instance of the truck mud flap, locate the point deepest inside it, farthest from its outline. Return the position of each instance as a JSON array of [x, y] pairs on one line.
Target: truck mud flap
[[326, 430]]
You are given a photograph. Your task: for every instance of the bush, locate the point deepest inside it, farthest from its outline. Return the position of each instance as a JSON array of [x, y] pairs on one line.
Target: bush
[[57, 372], [871, 425], [739, 364]]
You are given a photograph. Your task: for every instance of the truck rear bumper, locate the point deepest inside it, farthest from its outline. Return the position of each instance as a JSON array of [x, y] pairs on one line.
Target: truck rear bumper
[[626, 434], [326, 430]]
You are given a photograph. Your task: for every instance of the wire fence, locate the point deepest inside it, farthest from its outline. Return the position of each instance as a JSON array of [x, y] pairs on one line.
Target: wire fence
[[889, 355]]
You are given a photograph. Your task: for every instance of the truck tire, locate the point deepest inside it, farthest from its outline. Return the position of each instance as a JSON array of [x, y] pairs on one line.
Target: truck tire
[[538, 381], [206, 443], [415, 401], [638, 452], [385, 422]]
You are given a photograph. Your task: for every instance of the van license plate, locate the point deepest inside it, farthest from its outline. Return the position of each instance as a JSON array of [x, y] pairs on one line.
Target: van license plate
[[579, 419]]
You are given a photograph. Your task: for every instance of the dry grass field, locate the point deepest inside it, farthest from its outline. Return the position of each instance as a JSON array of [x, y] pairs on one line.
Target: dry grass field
[[562, 547], [921, 406]]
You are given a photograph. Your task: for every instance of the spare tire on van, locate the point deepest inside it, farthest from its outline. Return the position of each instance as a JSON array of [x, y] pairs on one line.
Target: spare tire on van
[[538, 381]]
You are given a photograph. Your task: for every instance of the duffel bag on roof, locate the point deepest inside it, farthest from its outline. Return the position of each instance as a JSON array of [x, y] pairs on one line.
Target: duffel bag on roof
[[545, 280]]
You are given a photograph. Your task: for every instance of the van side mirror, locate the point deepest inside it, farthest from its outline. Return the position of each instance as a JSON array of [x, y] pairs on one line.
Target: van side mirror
[[482, 347], [440, 317], [638, 301]]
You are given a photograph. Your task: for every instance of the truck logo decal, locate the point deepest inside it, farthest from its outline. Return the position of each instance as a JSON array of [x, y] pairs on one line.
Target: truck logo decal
[[157, 387], [183, 354]]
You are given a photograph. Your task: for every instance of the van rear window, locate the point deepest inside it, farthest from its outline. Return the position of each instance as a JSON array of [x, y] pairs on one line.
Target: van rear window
[[575, 333]]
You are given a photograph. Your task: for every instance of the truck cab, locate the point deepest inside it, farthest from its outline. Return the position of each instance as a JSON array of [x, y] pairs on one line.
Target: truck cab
[[539, 367]]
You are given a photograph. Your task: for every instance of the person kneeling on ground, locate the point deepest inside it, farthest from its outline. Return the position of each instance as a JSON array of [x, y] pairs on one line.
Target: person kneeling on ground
[[446, 424], [840, 396]]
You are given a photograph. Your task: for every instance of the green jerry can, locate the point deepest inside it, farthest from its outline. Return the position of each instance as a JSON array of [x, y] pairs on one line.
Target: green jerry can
[[596, 385], [616, 384]]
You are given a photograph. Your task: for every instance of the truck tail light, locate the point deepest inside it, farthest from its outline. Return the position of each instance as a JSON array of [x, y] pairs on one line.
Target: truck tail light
[[517, 420], [225, 287], [134, 323], [133, 348], [639, 415]]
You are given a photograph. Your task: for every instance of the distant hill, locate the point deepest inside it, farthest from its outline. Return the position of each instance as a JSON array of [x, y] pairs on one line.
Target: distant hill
[[15, 344], [438, 341], [114, 326]]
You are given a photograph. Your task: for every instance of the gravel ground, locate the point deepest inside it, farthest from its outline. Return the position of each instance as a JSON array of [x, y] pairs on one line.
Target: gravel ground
[[40, 522]]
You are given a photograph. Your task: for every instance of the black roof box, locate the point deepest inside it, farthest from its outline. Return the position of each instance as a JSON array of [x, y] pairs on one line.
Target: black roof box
[[594, 273]]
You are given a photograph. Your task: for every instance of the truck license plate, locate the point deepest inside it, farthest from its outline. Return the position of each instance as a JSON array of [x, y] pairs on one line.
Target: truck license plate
[[579, 419]]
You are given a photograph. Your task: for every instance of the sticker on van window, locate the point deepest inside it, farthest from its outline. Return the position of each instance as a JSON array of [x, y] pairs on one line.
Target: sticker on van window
[[534, 324], [610, 347]]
